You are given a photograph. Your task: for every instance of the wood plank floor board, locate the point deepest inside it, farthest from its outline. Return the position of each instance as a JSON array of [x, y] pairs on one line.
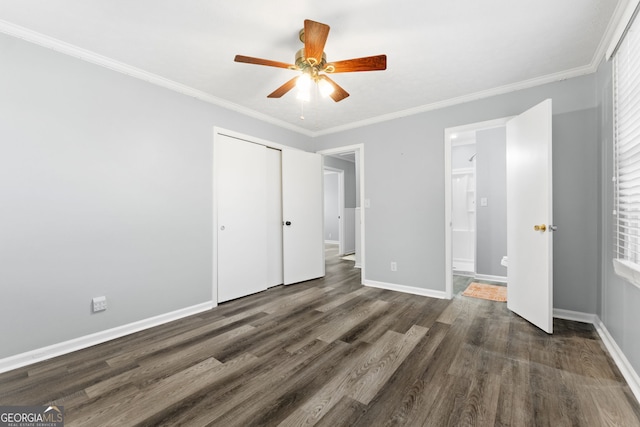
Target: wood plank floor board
[[297, 389], [362, 307], [345, 297], [43, 390], [365, 377], [264, 336], [515, 401], [98, 409], [612, 407], [380, 368], [406, 391], [446, 409], [224, 394], [377, 326], [289, 369], [480, 405], [160, 344], [344, 413], [331, 352], [367, 312]]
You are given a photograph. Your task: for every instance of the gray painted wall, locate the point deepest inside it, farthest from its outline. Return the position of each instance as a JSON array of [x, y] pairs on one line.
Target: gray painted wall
[[619, 307], [350, 183], [575, 210], [331, 208], [491, 183], [105, 189], [405, 184]]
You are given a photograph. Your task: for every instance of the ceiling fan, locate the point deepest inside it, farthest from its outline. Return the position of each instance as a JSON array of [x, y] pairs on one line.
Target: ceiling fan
[[312, 62]]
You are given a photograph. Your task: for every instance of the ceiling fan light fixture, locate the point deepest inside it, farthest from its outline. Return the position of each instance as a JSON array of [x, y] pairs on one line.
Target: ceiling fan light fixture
[[303, 83], [326, 89]]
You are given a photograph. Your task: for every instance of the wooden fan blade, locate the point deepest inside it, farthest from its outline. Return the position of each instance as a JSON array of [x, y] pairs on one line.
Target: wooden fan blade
[[315, 37], [370, 63], [259, 61], [283, 89], [338, 92]]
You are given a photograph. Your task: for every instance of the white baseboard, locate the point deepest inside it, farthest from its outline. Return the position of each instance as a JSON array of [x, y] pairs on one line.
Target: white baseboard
[[575, 316], [44, 353], [499, 279], [618, 356], [406, 289], [332, 242]]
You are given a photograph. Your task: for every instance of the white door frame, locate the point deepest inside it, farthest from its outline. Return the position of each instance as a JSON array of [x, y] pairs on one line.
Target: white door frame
[[448, 245], [359, 152], [340, 173], [217, 131]]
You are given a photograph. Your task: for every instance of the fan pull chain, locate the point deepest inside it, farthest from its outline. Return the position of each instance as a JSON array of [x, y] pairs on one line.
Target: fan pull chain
[[301, 110]]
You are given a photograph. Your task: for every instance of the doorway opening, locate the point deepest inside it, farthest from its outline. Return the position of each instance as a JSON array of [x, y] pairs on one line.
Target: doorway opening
[[475, 205], [334, 210], [345, 165]]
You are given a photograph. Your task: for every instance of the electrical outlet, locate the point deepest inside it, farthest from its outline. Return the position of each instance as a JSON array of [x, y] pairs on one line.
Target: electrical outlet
[[394, 266], [99, 304]]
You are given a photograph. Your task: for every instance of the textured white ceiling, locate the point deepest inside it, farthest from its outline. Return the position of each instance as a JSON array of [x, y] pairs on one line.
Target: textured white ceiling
[[438, 52]]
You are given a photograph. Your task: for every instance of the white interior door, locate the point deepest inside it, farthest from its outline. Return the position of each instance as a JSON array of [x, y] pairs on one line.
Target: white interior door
[[302, 213], [274, 218], [241, 171], [529, 205]]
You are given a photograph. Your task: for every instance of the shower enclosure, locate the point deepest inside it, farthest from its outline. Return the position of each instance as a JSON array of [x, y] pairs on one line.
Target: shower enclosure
[[463, 201]]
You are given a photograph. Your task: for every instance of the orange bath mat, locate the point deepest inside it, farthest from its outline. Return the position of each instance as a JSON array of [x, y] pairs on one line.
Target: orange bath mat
[[490, 292]]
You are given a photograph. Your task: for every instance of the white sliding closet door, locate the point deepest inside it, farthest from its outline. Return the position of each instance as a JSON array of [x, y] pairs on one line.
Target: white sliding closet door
[[303, 215], [269, 217], [242, 210]]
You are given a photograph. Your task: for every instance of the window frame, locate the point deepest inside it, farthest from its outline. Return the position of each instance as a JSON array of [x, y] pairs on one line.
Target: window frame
[[626, 152]]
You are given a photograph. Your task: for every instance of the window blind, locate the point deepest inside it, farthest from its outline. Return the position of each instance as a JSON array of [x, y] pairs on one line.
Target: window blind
[[627, 145]]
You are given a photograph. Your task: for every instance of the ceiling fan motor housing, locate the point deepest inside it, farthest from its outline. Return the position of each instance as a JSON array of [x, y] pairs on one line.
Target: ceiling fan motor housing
[[303, 63]]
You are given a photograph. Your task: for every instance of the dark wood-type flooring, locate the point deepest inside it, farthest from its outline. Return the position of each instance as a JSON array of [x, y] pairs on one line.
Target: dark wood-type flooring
[[331, 352]]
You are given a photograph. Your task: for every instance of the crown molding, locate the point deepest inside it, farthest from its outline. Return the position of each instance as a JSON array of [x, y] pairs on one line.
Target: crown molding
[[621, 10], [89, 56], [103, 61], [526, 84]]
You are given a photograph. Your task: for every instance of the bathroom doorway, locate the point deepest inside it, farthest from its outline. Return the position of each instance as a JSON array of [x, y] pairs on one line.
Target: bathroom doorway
[[475, 193]]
